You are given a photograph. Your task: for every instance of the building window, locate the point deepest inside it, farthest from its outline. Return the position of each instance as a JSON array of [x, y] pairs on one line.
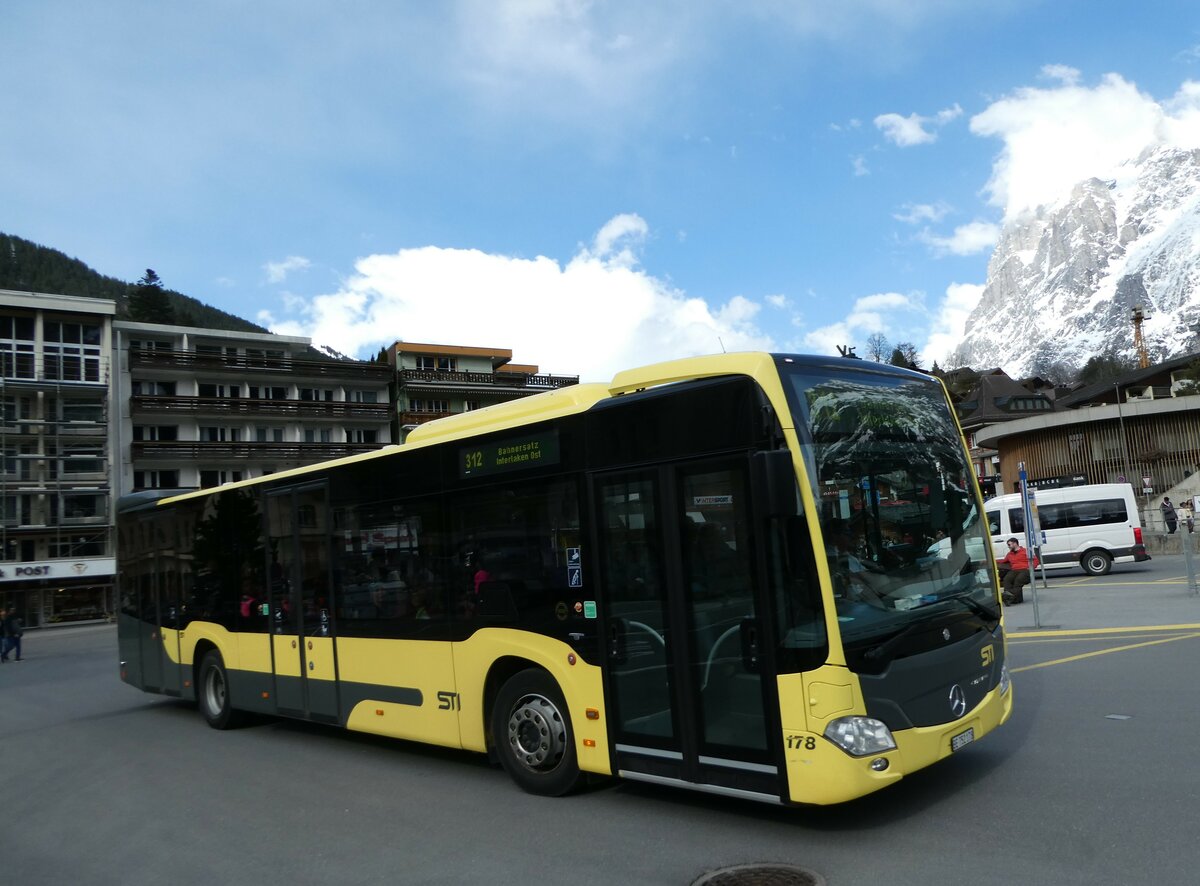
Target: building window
[[471, 405], [268, 435], [364, 396], [318, 435], [80, 506], [220, 435], [216, 351], [17, 509], [72, 351], [258, 357], [73, 461], [216, 478], [154, 433], [136, 344], [428, 406], [156, 479], [362, 435], [315, 394], [225, 392], [141, 387], [68, 410], [78, 547], [264, 393], [16, 347], [16, 408], [443, 364]]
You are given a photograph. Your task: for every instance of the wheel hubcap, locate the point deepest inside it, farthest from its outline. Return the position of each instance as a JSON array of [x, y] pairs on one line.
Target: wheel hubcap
[[536, 733], [215, 691]]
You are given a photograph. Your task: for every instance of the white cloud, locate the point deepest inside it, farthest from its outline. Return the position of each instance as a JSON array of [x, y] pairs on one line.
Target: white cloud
[[881, 301], [1058, 136], [968, 239], [910, 130], [592, 316], [776, 301], [865, 317], [628, 227], [917, 213], [277, 271], [950, 323], [1063, 73], [859, 164]]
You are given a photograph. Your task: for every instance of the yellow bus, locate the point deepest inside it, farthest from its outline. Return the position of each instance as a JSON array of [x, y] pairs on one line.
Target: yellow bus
[[764, 576]]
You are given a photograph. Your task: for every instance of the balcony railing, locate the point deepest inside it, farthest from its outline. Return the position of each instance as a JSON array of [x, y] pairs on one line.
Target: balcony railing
[[190, 361], [486, 379], [340, 409], [420, 418], [305, 453]]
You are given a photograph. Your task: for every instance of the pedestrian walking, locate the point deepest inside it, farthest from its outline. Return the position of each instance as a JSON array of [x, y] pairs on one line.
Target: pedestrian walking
[[14, 629], [1168, 515]]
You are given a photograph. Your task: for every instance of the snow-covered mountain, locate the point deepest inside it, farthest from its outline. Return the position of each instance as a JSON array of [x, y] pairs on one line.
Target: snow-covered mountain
[[1063, 280]]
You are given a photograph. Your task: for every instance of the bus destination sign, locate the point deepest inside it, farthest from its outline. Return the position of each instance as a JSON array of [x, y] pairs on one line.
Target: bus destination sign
[[513, 454]]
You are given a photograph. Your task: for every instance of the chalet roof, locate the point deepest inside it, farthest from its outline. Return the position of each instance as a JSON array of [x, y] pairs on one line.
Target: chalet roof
[[1106, 391], [989, 401]]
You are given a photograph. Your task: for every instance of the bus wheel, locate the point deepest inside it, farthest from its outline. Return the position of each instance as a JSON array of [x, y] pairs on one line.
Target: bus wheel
[[213, 696], [1097, 562], [532, 734]]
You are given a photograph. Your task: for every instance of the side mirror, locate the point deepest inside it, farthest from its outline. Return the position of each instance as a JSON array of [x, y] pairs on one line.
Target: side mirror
[[774, 483]]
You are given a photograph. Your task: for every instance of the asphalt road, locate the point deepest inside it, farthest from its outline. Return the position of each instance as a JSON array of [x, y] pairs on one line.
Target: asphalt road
[[1093, 781]]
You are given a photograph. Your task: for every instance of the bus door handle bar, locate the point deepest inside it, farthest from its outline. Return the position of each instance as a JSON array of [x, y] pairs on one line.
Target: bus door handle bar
[[750, 651], [616, 639]]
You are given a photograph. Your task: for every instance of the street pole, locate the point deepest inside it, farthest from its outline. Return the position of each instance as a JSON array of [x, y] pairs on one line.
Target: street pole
[[1124, 447], [1188, 541], [1031, 536]]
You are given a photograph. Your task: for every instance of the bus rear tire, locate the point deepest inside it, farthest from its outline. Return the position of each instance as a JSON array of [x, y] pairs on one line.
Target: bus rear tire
[[532, 734], [213, 693], [1096, 562]]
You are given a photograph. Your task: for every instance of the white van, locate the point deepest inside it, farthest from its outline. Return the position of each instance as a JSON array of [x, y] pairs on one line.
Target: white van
[[1087, 526]]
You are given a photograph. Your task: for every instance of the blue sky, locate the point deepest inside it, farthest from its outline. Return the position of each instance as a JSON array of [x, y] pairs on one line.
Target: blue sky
[[593, 185]]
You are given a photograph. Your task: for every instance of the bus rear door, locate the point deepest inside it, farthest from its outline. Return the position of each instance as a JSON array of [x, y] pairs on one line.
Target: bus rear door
[[302, 643]]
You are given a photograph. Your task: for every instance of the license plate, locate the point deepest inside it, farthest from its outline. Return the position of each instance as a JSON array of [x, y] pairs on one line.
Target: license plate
[[961, 740]]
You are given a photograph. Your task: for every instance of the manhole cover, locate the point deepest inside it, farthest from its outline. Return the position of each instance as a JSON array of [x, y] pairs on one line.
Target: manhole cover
[[761, 875]]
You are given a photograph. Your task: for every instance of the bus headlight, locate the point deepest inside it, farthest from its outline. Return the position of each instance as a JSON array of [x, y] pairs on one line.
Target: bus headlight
[[1005, 679], [860, 736]]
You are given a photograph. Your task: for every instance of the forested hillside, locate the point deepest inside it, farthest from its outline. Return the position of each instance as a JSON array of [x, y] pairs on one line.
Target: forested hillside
[[28, 267]]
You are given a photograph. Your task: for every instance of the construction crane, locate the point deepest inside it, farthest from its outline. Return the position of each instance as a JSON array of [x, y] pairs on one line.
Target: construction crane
[[1139, 340]]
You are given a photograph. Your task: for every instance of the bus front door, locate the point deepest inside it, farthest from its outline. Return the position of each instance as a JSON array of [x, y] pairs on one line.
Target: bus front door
[[302, 643], [687, 682]]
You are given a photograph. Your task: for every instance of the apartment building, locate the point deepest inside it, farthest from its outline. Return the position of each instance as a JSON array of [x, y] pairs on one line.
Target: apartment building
[[202, 407], [57, 560], [432, 381]]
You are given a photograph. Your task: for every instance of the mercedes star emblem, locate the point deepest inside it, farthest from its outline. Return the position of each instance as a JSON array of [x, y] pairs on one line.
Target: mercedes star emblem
[[958, 701]]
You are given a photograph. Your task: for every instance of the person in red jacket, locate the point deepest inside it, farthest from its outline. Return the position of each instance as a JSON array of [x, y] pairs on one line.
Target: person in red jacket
[[1014, 572]]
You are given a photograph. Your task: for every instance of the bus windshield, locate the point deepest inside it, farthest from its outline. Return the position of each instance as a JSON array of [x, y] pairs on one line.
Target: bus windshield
[[904, 539]]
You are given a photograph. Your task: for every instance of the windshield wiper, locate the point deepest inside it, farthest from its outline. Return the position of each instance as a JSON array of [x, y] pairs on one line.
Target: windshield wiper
[[974, 605], [886, 647]]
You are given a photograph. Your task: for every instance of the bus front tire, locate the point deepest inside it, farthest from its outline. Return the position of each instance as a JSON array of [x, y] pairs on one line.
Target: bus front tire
[[213, 694], [532, 734], [1097, 562]]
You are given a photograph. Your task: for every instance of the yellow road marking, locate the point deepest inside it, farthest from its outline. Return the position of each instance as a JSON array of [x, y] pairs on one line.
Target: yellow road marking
[[1076, 632], [1058, 661], [1021, 641]]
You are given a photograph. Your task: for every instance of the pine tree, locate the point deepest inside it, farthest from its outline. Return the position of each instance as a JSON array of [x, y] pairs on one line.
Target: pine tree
[[149, 303]]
